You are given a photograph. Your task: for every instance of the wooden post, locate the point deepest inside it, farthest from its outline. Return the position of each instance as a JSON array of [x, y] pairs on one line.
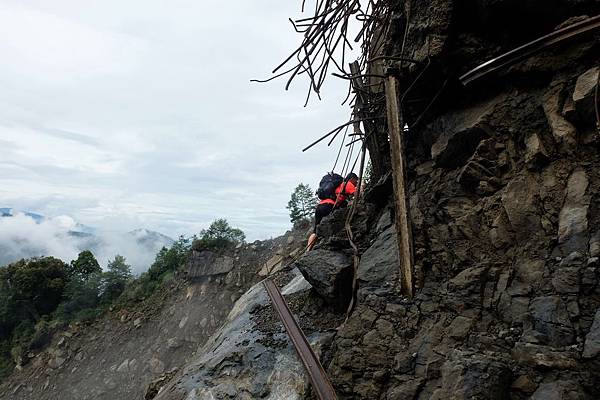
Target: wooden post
[[403, 232]]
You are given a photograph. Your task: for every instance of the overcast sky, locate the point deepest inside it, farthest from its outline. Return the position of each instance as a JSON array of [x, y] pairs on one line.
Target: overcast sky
[[140, 113]]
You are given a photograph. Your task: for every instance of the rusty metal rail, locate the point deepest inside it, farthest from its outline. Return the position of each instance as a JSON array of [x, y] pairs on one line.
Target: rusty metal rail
[[316, 373], [529, 49]]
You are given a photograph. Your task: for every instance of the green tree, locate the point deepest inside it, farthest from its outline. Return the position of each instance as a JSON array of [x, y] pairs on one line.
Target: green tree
[[302, 203], [219, 236], [115, 278], [169, 259], [81, 298], [36, 285], [85, 265]]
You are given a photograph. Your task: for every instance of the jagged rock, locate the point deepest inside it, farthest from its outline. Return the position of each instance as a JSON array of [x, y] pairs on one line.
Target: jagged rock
[[207, 263], [513, 308], [524, 384], [572, 221], [333, 224], [244, 361], [595, 244], [467, 376], [574, 258], [329, 273], [592, 340], [520, 200], [563, 131], [583, 96], [406, 390], [558, 390], [530, 272], [550, 322], [137, 322], [155, 387], [536, 152], [566, 280], [379, 264], [543, 356], [458, 134], [460, 326]]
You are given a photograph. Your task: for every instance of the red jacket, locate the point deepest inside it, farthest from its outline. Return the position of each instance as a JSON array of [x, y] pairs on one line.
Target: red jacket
[[348, 189]]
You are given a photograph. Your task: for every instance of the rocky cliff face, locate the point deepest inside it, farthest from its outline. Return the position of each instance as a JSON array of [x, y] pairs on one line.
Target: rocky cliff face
[[503, 186], [504, 200]]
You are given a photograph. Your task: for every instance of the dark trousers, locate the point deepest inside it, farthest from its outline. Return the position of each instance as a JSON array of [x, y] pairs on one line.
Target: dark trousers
[[321, 212]]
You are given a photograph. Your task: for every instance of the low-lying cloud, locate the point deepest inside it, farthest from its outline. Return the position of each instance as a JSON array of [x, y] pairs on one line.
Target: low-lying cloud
[[22, 236]]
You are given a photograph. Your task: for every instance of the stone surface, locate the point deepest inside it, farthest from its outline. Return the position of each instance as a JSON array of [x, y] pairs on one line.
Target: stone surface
[[566, 280], [242, 360], [206, 263], [543, 356], [524, 384], [572, 221], [565, 134], [558, 390], [329, 273], [536, 151], [459, 134], [550, 323], [520, 200], [592, 340], [379, 264], [583, 96], [469, 376]]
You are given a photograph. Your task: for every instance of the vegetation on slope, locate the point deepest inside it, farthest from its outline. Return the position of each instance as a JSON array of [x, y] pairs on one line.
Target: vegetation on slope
[[41, 296]]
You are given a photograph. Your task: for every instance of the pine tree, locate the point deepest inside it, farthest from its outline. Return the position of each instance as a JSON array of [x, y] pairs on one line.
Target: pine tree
[[85, 265], [302, 203], [115, 278]]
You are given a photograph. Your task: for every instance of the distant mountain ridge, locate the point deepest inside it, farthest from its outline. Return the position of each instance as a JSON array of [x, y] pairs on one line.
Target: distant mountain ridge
[[64, 237]]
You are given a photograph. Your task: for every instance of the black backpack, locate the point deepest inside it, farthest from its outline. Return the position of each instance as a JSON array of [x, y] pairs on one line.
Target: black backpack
[[328, 185]]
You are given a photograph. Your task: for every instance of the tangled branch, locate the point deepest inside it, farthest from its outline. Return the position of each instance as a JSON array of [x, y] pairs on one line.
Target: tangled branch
[[325, 42]]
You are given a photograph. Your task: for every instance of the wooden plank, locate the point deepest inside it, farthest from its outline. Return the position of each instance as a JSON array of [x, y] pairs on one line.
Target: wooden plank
[[403, 230]]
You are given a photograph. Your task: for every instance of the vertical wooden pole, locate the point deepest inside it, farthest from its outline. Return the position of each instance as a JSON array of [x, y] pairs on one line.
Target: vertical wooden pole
[[403, 232]]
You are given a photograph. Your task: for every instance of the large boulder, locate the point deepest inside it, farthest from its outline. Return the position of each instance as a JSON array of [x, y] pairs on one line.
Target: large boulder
[[206, 263], [330, 273], [379, 266], [250, 357]]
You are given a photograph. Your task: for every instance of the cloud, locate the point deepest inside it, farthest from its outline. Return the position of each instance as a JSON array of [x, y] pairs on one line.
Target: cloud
[[21, 236], [141, 114]]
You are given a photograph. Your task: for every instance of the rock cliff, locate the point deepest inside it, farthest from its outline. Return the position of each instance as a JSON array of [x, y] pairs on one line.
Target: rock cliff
[[504, 188]]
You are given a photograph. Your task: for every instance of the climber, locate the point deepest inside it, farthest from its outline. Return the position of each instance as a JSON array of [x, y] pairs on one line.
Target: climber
[[332, 198]]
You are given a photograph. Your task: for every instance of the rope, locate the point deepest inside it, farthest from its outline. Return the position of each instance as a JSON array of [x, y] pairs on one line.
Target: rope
[[348, 225], [340, 150], [596, 100]]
